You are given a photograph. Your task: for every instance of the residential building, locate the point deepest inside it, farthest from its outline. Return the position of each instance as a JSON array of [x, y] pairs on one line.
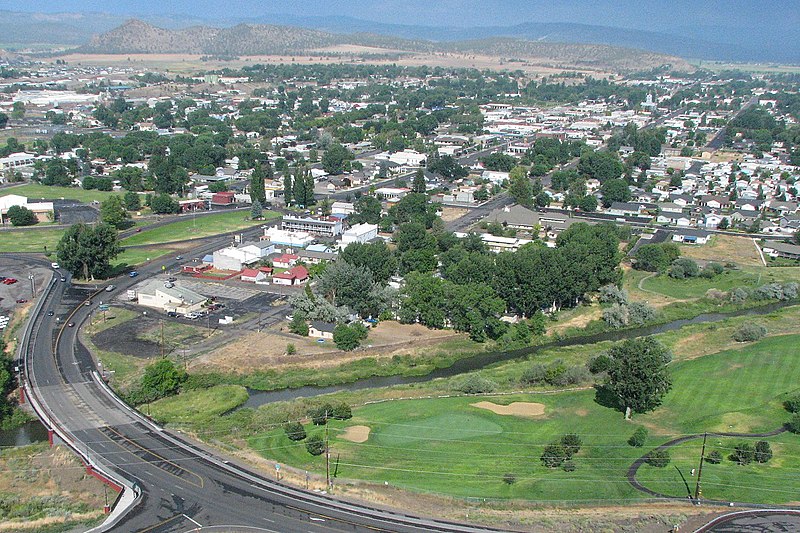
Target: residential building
[[343, 208], [297, 275], [391, 194], [321, 330], [285, 260], [781, 249], [323, 226], [691, 236], [254, 275]]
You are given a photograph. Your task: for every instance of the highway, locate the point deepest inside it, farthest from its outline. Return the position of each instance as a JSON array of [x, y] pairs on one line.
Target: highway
[[180, 486]]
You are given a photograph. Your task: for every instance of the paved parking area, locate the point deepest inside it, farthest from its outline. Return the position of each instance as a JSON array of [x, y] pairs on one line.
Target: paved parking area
[[217, 289]]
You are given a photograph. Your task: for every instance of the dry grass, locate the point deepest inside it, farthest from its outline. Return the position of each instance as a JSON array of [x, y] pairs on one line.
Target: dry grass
[[453, 213], [267, 350], [724, 249]]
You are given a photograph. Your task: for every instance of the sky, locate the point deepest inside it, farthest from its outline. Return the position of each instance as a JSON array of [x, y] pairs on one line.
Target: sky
[[643, 14]]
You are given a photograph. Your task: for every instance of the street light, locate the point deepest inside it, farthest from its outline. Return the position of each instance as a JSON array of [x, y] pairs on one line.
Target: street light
[[33, 285]]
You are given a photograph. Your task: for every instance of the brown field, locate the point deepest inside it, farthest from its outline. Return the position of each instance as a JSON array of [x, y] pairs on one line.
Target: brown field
[[453, 213], [524, 409], [189, 63], [723, 249], [268, 349]]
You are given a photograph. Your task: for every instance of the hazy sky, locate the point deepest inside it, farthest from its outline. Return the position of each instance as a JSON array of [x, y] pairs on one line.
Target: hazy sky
[[646, 14]]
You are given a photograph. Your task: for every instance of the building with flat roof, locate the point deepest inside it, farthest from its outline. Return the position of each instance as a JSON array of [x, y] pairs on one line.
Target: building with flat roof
[[288, 239], [42, 210], [158, 295], [359, 233], [323, 226]]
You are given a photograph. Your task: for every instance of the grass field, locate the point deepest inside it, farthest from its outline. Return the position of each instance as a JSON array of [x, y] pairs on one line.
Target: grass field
[[33, 240], [197, 406], [36, 191], [447, 446], [137, 256], [196, 227]]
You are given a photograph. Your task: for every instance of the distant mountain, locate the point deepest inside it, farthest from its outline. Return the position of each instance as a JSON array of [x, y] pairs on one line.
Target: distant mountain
[[136, 36]]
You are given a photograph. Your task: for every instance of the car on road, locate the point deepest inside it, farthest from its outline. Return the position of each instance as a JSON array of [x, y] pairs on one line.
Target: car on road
[[55, 265], [138, 230], [172, 314], [22, 301], [110, 288], [71, 325], [63, 280], [178, 257], [192, 316], [133, 273], [88, 302], [172, 280], [50, 313]]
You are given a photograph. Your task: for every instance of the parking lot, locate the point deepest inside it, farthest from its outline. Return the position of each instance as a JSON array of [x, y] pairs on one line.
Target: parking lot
[[12, 293]]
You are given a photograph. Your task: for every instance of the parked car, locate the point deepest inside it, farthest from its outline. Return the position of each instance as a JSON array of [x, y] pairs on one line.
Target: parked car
[[172, 314], [71, 325], [22, 301], [133, 273], [63, 280], [50, 313], [9, 281], [55, 265], [110, 288], [178, 258]]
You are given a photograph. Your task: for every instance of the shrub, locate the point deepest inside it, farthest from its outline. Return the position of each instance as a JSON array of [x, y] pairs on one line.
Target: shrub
[[20, 215], [616, 316], [613, 295], [749, 332], [794, 423], [533, 375], [687, 267], [554, 371], [342, 411], [638, 438], [571, 443], [315, 445], [349, 338], [714, 457], [568, 466], [320, 414], [763, 452], [677, 272], [639, 313], [290, 349], [298, 325], [712, 270], [739, 295], [743, 453], [509, 479], [295, 431], [476, 384], [658, 458], [571, 376], [716, 294], [599, 363], [792, 404], [553, 455]]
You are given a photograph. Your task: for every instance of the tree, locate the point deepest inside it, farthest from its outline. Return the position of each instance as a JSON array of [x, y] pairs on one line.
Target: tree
[[602, 166], [87, 251], [132, 201], [294, 431], [714, 457], [588, 203], [19, 215], [762, 452], [315, 445], [348, 338], [288, 188], [615, 190], [499, 162], [3, 120], [256, 211], [519, 188], [298, 325], [658, 458], [553, 455], [418, 185], [542, 199], [376, 257], [346, 285], [639, 437], [655, 257], [162, 379], [334, 158], [638, 376], [218, 186], [743, 453], [749, 332], [367, 211], [572, 444], [164, 204], [113, 213]]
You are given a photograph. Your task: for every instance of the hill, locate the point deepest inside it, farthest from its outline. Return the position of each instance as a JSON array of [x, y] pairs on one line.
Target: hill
[[136, 36]]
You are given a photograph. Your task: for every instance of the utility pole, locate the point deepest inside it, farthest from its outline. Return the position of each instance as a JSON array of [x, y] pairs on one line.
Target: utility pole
[[697, 490], [162, 338], [33, 286]]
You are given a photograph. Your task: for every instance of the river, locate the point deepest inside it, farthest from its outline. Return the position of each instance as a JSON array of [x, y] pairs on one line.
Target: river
[[482, 360], [28, 433]]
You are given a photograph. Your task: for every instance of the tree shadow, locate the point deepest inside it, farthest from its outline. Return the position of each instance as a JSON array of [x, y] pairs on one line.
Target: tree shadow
[[605, 396]]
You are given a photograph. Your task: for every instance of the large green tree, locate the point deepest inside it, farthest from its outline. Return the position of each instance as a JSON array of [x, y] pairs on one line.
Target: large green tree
[[19, 215], [376, 257], [520, 189], [600, 165], [334, 158], [87, 251], [638, 376], [257, 189], [113, 213], [367, 211]]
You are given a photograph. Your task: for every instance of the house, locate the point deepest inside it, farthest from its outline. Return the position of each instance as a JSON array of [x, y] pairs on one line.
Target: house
[[625, 209], [285, 261], [253, 275], [343, 208], [258, 249], [691, 236], [714, 202], [321, 330], [168, 298], [503, 244], [297, 275], [237, 257], [313, 257], [361, 233], [713, 220], [408, 158], [323, 226], [391, 194], [515, 216], [495, 177], [223, 198], [782, 249], [42, 210]]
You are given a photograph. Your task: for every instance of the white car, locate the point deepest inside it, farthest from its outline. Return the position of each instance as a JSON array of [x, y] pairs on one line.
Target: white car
[[55, 266], [110, 288]]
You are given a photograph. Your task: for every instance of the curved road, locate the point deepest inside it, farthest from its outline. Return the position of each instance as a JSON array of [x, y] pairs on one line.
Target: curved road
[[180, 486]]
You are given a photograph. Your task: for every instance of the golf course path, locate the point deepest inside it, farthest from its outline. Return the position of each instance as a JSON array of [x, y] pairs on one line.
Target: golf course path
[[634, 468]]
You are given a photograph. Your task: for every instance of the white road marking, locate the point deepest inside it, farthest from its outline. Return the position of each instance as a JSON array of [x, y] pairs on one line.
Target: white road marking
[[195, 522]]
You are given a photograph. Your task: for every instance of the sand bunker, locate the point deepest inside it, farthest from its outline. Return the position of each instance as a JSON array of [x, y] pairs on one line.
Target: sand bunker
[[528, 409], [356, 434]]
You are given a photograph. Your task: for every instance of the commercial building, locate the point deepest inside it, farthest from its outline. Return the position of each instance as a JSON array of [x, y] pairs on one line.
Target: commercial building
[[359, 233], [159, 295], [323, 226], [42, 210]]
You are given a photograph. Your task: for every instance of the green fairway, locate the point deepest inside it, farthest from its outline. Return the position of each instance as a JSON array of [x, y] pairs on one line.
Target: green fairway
[[448, 446], [35, 191], [189, 227]]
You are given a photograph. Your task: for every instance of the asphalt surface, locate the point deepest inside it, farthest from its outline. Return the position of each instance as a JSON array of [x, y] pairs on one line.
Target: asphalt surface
[[182, 487]]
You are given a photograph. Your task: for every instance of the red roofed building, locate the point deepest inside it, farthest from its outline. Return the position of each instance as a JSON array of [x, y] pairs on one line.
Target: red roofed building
[[252, 275], [294, 276], [223, 198], [285, 261]]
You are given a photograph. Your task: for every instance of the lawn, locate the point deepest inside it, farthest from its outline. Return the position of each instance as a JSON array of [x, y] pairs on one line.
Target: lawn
[[447, 446], [197, 407], [32, 240], [189, 227], [137, 256], [36, 191]]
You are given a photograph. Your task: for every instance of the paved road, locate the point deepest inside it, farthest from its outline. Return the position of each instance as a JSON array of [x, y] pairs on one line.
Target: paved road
[[719, 139], [182, 487], [766, 521]]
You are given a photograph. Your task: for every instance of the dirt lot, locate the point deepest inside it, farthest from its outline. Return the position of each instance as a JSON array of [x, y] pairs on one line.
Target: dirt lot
[[723, 249], [141, 337], [450, 214], [268, 349]]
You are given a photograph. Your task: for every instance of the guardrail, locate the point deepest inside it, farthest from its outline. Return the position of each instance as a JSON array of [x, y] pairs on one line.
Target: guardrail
[[130, 494]]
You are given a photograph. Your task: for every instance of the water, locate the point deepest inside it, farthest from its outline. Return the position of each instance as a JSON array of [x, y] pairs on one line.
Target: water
[[483, 360], [28, 433]]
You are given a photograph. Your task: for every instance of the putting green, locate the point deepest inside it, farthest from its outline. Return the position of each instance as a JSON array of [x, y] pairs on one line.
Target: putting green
[[444, 427]]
